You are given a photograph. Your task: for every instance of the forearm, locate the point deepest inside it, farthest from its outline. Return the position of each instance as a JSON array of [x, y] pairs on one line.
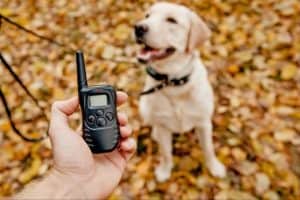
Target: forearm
[[52, 186]]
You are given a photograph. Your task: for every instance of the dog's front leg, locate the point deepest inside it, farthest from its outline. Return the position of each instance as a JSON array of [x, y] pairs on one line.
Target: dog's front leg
[[163, 137], [204, 133]]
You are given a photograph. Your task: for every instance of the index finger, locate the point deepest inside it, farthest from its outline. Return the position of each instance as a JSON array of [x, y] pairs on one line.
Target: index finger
[[121, 97]]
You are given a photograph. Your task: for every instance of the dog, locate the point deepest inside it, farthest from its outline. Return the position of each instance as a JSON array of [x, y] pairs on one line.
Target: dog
[[177, 95]]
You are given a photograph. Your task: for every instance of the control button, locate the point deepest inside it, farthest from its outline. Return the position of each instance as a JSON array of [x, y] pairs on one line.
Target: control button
[[109, 116], [101, 121], [99, 113], [91, 119], [86, 134], [91, 145], [88, 139]]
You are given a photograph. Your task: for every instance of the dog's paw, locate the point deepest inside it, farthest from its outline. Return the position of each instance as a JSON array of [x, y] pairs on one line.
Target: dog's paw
[[217, 169], [162, 173]]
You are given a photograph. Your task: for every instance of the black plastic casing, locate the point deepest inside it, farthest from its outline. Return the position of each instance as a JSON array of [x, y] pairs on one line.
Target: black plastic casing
[[100, 138]]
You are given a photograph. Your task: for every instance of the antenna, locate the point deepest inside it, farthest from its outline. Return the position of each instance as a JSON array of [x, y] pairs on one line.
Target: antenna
[[81, 75]]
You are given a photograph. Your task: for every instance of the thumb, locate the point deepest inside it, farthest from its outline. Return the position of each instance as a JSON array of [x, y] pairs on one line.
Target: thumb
[[59, 116]]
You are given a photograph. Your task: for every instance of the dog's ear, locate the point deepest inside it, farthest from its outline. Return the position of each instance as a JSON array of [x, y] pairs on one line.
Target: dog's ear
[[198, 33]]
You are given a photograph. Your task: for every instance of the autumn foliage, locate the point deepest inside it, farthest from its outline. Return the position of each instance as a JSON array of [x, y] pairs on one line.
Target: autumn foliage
[[253, 59]]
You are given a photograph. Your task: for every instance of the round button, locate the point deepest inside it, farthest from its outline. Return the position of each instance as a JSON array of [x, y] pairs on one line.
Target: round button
[[101, 121], [91, 119], [109, 116], [99, 113]]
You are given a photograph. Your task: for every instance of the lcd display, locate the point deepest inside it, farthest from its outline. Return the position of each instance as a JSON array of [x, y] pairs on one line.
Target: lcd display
[[98, 100]]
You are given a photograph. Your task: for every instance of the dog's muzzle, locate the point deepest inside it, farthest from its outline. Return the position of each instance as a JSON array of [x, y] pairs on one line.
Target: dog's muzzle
[[140, 30]]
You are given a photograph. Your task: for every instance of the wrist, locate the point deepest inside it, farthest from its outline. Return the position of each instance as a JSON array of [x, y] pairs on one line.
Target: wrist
[[87, 185], [65, 186], [53, 186]]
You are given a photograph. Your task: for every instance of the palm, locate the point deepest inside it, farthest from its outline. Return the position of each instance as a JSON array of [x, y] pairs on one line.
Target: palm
[[78, 159]]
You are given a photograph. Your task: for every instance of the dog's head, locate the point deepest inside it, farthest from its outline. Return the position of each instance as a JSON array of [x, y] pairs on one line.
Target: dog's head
[[168, 31]]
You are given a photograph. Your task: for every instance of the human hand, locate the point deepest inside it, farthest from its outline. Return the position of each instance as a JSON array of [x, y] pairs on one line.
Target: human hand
[[96, 175]]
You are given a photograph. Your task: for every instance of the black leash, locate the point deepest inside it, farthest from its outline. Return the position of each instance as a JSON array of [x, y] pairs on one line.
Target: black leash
[[50, 40], [12, 123], [20, 82], [11, 71], [7, 110], [31, 32], [165, 80]]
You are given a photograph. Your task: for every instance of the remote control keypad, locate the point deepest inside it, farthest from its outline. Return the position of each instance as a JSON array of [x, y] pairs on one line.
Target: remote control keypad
[[100, 118]]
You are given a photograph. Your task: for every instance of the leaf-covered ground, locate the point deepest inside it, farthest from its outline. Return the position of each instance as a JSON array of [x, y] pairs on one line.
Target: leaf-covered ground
[[253, 60]]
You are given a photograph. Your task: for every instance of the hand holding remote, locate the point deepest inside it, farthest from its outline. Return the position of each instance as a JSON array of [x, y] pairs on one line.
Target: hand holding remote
[[77, 173], [99, 174]]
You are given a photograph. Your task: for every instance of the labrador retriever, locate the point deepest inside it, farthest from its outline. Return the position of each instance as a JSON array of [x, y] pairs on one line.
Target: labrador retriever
[[178, 96]]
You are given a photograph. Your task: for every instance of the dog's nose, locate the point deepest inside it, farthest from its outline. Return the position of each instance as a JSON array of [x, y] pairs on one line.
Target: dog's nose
[[140, 30]]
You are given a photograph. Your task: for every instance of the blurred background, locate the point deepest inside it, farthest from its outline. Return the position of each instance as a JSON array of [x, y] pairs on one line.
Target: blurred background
[[253, 59]]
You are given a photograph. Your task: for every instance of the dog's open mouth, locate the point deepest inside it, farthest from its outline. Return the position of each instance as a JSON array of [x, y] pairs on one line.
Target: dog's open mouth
[[150, 54]]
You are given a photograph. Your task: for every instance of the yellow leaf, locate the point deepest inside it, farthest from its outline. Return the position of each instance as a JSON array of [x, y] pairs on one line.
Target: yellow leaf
[[4, 126], [144, 167], [58, 93], [22, 21], [239, 154], [233, 69], [185, 174], [268, 169], [288, 72], [296, 115], [31, 171], [122, 31], [5, 12], [234, 195]]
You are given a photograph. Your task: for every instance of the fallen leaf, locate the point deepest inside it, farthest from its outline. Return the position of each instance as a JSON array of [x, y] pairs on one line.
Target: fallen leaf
[[262, 183], [31, 171], [288, 72]]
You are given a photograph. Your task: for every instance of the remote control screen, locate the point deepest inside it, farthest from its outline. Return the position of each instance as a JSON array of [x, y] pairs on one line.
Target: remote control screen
[[98, 100]]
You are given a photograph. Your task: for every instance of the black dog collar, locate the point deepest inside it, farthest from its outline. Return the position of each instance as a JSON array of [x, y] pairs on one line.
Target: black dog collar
[[156, 75], [165, 80]]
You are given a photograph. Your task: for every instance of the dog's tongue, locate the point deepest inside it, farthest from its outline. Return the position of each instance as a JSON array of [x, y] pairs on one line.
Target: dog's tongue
[[146, 54]]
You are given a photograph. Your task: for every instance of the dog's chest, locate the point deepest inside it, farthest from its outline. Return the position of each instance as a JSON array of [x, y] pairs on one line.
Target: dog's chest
[[178, 114], [184, 116]]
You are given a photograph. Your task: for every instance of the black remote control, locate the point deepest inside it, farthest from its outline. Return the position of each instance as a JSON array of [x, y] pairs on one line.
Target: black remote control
[[99, 114]]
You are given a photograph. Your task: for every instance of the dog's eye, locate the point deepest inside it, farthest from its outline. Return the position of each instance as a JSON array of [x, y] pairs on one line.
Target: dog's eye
[[171, 20], [147, 15]]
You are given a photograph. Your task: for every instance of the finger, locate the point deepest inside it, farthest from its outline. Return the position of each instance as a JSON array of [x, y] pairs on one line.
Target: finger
[[122, 118], [127, 145], [126, 131], [66, 107], [127, 148], [121, 97], [59, 114]]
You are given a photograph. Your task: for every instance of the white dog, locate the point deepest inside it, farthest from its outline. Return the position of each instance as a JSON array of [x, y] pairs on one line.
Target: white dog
[[177, 96]]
